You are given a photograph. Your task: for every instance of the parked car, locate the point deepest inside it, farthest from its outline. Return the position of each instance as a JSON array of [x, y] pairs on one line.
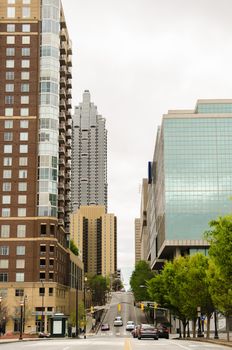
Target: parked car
[[118, 321], [163, 331], [105, 327], [44, 335], [134, 333], [130, 325], [147, 331]]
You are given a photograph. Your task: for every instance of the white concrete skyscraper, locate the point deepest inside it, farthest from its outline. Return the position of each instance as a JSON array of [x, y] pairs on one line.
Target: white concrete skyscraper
[[89, 156]]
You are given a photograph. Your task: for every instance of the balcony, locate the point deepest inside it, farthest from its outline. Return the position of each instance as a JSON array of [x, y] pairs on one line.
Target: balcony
[[62, 150], [62, 161], [61, 222], [70, 50], [63, 59], [61, 173], [68, 125], [63, 48], [61, 184], [62, 82], [69, 62], [69, 93], [69, 146], [63, 24], [62, 93], [61, 197], [68, 165], [68, 115], [61, 210], [62, 116], [69, 103], [62, 126], [61, 139], [63, 71], [69, 134], [68, 187], [69, 73], [69, 83], [67, 198], [63, 34], [62, 105]]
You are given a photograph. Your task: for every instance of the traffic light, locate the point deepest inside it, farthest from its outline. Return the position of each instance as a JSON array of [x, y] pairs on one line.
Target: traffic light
[[142, 306]]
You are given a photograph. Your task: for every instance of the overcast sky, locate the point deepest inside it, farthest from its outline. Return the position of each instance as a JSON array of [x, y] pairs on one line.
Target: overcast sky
[[139, 58]]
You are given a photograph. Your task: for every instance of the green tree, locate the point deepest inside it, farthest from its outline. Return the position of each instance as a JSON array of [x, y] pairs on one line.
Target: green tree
[[139, 278], [73, 248], [117, 284], [99, 286]]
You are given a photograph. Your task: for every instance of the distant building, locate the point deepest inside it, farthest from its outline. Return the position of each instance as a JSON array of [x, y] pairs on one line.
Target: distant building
[[137, 240], [89, 156], [191, 179], [95, 234]]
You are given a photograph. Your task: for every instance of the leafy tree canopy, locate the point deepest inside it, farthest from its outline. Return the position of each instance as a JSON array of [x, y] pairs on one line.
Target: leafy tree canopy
[[139, 278], [73, 248]]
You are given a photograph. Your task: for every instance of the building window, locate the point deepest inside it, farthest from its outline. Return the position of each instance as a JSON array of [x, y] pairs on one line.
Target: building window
[[24, 100], [21, 231], [23, 148], [7, 174], [7, 161], [11, 12], [22, 186], [4, 250], [22, 212], [26, 2], [10, 51], [51, 249], [22, 199], [5, 231], [3, 292], [7, 148], [41, 291], [3, 277], [24, 87], [19, 292], [50, 291], [9, 112], [9, 88], [10, 28], [42, 248], [24, 112], [51, 276], [10, 2], [8, 124], [6, 186], [4, 263], [10, 75], [10, 63], [25, 64], [10, 39], [6, 199], [5, 212], [9, 100], [43, 229], [20, 250], [25, 40], [23, 161], [23, 174], [42, 275], [26, 28], [24, 124], [26, 12], [42, 263], [8, 136], [25, 51], [25, 75], [20, 263], [19, 276]]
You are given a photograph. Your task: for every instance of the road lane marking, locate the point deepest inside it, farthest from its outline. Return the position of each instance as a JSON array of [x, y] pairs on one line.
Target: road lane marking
[[127, 345]]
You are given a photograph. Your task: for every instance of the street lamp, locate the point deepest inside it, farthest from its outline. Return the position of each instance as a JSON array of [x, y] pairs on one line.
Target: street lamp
[[85, 280], [21, 320], [42, 314], [199, 334], [24, 311], [215, 325]]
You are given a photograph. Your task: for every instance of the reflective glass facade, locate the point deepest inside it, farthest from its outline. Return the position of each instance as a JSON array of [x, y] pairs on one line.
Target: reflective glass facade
[[197, 161]]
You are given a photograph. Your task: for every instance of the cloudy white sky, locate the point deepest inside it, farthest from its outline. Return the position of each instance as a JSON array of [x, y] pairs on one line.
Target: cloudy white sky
[[140, 58]]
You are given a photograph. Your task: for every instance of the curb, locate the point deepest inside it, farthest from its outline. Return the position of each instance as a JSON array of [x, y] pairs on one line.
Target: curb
[[216, 342]]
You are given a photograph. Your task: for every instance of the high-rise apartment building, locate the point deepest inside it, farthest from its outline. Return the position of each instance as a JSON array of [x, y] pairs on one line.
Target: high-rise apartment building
[[191, 177], [95, 234], [35, 155], [137, 226], [89, 156]]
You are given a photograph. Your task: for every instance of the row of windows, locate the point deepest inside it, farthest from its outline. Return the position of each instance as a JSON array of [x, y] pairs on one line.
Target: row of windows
[[19, 277], [22, 148], [8, 124], [10, 40], [24, 112], [11, 63], [21, 212], [10, 75], [26, 28], [8, 136], [11, 12], [10, 51], [5, 231], [4, 263], [20, 293], [12, 2], [24, 87], [22, 199], [20, 250], [22, 186]]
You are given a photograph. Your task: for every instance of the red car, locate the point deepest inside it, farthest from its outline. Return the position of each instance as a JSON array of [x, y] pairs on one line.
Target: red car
[[163, 331], [147, 331]]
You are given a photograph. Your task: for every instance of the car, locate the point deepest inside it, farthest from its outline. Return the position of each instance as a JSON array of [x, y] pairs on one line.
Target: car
[[105, 327], [163, 331], [130, 325], [118, 321], [147, 331]]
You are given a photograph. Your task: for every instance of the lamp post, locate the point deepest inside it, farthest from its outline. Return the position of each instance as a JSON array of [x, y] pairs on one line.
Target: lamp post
[[24, 311], [42, 313], [0, 316], [77, 330], [85, 280], [21, 320], [215, 325], [199, 334]]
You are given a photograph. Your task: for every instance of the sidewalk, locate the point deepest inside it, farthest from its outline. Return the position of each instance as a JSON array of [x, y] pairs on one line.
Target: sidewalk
[[221, 341]]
